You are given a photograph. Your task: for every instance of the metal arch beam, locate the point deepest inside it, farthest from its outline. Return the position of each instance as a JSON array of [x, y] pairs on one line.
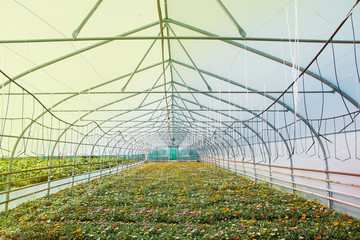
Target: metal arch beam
[[141, 148], [82, 24], [243, 137], [108, 143], [129, 150], [118, 124], [204, 149], [121, 147], [222, 149], [103, 153], [271, 57], [261, 139], [141, 141], [138, 149], [48, 63], [249, 111], [269, 155], [223, 139], [125, 98], [112, 153], [224, 125], [228, 143], [211, 145], [65, 99], [109, 129], [267, 96], [136, 125], [93, 128], [232, 19], [186, 109], [207, 149], [218, 147], [265, 121]]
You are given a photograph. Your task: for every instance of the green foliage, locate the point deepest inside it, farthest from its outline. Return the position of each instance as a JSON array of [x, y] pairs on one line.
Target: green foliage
[[34, 170], [175, 201]]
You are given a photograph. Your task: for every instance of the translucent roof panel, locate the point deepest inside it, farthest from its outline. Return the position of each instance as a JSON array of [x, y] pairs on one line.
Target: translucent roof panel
[[188, 74]]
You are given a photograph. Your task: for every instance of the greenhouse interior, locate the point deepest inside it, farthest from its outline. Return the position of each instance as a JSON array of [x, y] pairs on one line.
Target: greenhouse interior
[[169, 119]]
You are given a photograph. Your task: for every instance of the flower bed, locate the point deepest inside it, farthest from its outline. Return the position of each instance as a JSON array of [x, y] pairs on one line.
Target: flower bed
[[34, 170], [175, 201]]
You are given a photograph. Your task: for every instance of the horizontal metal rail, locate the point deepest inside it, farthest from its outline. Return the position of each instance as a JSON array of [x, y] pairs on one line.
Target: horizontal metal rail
[[70, 182], [52, 167], [303, 184], [160, 110], [87, 39], [58, 179], [298, 189], [294, 168], [222, 163], [162, 92]]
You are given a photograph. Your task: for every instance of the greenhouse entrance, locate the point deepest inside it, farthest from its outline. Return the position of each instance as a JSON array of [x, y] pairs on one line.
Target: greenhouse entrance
[[173, 153], [134, 98]]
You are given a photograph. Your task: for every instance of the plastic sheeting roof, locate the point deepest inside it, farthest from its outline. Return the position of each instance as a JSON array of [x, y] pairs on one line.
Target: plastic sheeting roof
[[96, 72]]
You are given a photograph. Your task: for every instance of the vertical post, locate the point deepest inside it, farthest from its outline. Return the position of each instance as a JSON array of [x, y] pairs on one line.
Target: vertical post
[[229, 159], [243, 163], [292, 175], [89, 169], [73, 171], [270, 173], [49, 177], [110, 162], [8, 184], [117, 163], [101, 163], [328, 186]]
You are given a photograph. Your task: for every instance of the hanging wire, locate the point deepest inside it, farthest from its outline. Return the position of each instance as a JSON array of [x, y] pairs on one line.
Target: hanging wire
[[306, 112], [46, 109], [305, 69], [346, 143], [322, 97], [338, 85]]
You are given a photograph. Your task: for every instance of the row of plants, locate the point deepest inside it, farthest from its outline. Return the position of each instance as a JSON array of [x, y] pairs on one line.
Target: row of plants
[[27, 171], [174, 200]]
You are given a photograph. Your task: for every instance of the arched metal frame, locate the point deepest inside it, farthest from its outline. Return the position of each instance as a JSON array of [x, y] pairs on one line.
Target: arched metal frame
[[134, 146]]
